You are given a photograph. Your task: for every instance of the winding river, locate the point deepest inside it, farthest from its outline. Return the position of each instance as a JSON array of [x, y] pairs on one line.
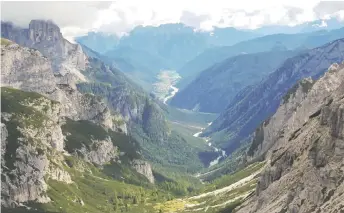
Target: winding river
[[165, 88], [222, 153], [174, 91]]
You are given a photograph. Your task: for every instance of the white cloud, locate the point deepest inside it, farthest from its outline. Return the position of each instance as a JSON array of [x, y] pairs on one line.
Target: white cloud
[[77, 18]]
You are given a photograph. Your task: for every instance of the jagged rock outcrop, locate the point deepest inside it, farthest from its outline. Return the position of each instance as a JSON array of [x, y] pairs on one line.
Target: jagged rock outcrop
[[102, 152], [255, 103], [45, 36], [33, 131], [143, 168], [67, 63], [29, 70], [18, 64], [305, 170], [4, 135], [55, 173], [267, 133]]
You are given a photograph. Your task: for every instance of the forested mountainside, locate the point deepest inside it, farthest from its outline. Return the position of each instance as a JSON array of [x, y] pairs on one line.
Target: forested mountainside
[[74, 127], [261, 44], [135, 110], [60, 137], [37, 162], [303, 145], [132, 72], [255, 103], [213, 88], [146, 120]]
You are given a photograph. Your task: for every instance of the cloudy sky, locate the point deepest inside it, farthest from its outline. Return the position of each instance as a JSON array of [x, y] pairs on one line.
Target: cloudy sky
[[77, 18]]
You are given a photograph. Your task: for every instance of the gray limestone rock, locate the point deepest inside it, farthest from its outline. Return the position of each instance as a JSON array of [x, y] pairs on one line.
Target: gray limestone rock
[[101, 152], [46, 37], [53, 70], [305, 170], [143, 168], [25, 156], [29, 70]]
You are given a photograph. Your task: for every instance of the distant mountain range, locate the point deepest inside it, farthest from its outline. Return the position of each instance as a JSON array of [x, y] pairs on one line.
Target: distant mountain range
[[179, 47], [168, 47], [262, 44]]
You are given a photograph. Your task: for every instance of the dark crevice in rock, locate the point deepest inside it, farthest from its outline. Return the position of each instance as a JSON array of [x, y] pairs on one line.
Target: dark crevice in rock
[[294, 135], [316, 114]]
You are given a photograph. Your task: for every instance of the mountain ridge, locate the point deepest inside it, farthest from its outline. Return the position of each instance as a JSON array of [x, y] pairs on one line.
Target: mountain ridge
[[254, 103], [261, 44], [214, 87]]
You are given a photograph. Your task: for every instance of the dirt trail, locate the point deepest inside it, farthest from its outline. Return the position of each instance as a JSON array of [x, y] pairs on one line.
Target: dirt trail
[[227, 188]]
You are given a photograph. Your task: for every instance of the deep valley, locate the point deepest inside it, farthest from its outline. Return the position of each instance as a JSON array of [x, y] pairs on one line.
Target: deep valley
[[170, 118]]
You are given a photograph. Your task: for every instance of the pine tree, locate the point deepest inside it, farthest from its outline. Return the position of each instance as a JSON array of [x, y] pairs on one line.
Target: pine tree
[[135, 199]]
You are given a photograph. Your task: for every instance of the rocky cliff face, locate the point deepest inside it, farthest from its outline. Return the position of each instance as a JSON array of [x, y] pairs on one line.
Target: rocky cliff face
[[270, 131], [143, 168], [45, 36], [29, 70], [103, 151], [255, 103], [31, 131], [305, 153]]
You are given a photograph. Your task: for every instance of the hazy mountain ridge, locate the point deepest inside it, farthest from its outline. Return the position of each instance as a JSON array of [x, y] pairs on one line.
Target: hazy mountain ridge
[[99, 42], [174, 43], [261, 44], [213, 88], [166, 47], [255, 103]]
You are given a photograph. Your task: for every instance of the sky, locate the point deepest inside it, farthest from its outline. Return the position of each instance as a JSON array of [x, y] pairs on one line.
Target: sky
[[121, 16]]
